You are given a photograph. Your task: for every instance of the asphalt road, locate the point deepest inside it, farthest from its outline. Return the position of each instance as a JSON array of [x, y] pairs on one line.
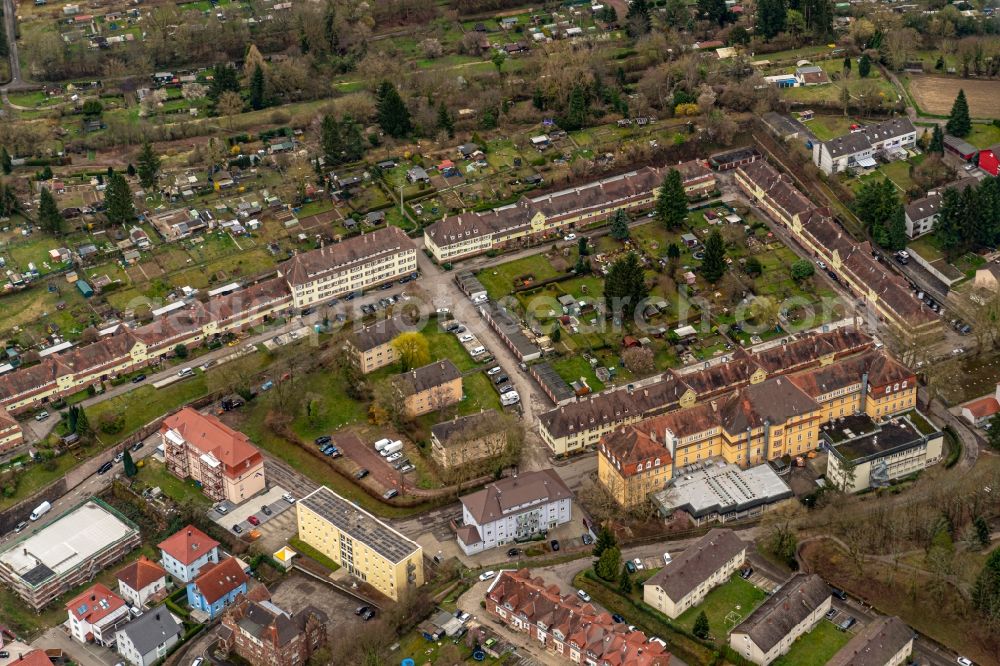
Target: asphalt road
[[10, 25]]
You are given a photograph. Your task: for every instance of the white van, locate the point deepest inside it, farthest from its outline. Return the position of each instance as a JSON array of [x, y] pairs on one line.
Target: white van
[[478, 350], [185, 372]]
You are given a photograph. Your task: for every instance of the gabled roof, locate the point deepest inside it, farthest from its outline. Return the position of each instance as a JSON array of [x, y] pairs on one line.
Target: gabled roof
[[876, 644], [784, 610], [773, 402], [210, 435], [152, 629], [983, 407], [33, 658], [218, 580], [188, 544], [94, 604], [141, 573], [511, 495], [697, 563], [428, 377], [315, 264]]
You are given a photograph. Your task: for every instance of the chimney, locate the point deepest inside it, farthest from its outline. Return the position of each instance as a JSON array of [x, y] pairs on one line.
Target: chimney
[[715, 406]]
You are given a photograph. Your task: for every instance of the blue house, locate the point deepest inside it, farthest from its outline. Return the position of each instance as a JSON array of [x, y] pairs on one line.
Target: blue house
[[216, 587]]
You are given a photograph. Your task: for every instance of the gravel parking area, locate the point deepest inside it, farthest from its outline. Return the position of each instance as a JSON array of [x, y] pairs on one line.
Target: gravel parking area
[[297, 592], [363, 455]]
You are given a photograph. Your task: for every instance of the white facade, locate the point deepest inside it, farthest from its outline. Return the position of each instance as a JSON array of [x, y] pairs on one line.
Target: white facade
[[356, 278], [188, 572], [138, 598], [849, 151], [517, 524], [153, 646], [80, 628]]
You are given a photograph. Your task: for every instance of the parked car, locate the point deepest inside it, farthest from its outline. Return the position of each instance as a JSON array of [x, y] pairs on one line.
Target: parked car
[[368, 614], [198, 661], [237, 529], [221, 509], [629, 566], [288, 498], [406, 468], [323, 440], [513, 552], [965, 661], [138, 378], [106, 467], [583, 595], [20, 526], [839, 593], [746, 572], [42, 415], [254, 520], [266, 510], [638, 564], [138, 445], [486, 575], [465, 338], [361, 609], [832, 613], [501, 379], [492, 371], [389, 494], [847, 624], [569, 237], [392, 457], [118, 458], [617, 619], [587, 539], [555, 544], [361, 473]]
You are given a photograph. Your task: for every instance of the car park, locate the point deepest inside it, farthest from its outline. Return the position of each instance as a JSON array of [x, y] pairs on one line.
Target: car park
[[486, 575], [839, 593], [322, 440], [832, 613], [466, 338], [583, 595], [847, 623], [42, 415], [501, 379], [266, 510], [392, 457], [407, 468], [746, 572], [254, 520]]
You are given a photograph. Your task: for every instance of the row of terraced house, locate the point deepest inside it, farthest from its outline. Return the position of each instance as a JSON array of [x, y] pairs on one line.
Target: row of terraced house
[[530, 220], [853, 263], [308, 278]]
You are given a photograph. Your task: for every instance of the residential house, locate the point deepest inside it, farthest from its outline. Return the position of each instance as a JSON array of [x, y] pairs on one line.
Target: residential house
[[217, 586], [697, 177], [921, 215], [96, 614], [11, 436], [430, 388], [530, 220], [363, 545], [186, 552], [222, 460], [980, 412], [356, 264], [371, 347], [513, 509], [142, 581], [467, 439], [263, 634], [885, 641], [148, 638], [860, 147], [704, 565], [567, 627], [792, 610], [417, 174]]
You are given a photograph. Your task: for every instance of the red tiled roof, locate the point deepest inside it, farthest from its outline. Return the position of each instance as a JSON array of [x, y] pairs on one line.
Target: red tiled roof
[[141, 573], [220, 579], [188, 544], [94, 603], [33, 658], [210, 435], [983, 407]]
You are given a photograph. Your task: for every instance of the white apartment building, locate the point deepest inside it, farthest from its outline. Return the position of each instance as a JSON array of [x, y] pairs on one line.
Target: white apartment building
[[513, 509], [356, 264], [96, 614], [694, 573], [860, 147]]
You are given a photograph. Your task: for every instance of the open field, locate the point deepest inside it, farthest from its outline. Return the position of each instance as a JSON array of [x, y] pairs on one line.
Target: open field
[[936, 94]]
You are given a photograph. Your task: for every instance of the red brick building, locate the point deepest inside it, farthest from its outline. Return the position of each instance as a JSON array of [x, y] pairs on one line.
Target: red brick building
[[266, 635]]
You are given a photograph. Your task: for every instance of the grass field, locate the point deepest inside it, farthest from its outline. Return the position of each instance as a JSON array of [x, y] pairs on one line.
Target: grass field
[[829, 127], [983, 135], [936, 94], [499, 280], [573, 367], [154, 474], [816, 647], [736, 596]]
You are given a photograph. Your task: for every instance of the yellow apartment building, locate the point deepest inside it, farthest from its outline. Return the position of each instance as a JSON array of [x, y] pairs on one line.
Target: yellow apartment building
[[367, 548], [430, 388]]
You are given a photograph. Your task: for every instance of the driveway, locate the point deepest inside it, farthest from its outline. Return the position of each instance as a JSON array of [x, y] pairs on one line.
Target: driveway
[[84, 655]]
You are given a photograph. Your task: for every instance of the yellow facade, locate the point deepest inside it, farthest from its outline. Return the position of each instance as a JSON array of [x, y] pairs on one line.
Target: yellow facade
[[882, 403], [359, 558], [355, 278], [632, 490], [375, 358], [433, 399]]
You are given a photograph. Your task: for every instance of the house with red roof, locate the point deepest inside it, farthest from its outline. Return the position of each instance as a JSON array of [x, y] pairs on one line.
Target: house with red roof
[[989, 160], [217, 586], [224, 461], [96, 614], [33, 658], [978, 412], [184, 553], [141, 581]]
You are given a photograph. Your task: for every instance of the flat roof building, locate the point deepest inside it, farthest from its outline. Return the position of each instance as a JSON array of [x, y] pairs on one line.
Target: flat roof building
[[369, 549], [61, 555], [722, 491]]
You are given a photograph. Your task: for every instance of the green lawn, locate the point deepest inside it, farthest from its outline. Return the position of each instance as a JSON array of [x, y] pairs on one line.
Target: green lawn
[[154, 474], [499, 280], [816, 647], [573, 367], [984, 136], [142, 405], [829, 127], [736, 596], [479, 394], [305, 549], [446, 345]]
